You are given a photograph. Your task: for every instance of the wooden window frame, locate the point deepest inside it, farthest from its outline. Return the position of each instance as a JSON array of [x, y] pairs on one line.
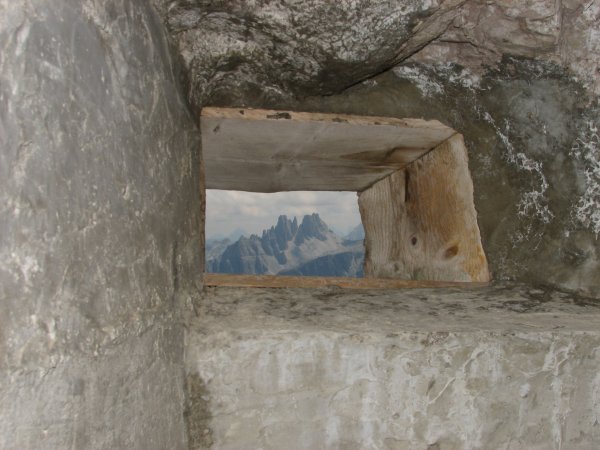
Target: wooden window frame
[[412, 178]]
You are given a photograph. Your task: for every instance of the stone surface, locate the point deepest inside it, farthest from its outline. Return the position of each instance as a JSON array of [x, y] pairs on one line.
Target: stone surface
[[566, 32], [99, 227], [296, 46], [271, 48], [500, 367]]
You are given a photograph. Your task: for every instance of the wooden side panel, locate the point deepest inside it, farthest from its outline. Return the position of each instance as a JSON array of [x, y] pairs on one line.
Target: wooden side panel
[[420, 222], [381, 209]]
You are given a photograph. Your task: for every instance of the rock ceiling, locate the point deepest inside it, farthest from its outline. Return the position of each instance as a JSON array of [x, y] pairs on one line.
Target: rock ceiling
[[320, 47]]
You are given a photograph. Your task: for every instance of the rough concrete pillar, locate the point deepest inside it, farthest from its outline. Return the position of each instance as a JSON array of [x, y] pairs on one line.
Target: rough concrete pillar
[[99, 227]]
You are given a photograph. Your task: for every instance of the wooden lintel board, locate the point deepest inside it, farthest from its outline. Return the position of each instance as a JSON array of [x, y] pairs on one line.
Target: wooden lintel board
[[270, 151], [279, 281]]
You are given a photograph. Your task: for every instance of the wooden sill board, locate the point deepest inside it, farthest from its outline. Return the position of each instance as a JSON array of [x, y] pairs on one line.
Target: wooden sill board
[[277, 281]]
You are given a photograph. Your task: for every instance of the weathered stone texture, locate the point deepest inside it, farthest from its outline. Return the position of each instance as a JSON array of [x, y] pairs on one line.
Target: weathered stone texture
[[99, 227], [566, 32], [479, 369], [273, 48], [297, 46]]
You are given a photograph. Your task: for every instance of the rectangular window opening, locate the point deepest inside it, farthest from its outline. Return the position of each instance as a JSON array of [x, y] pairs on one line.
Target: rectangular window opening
[[282, 187], [295, 234]]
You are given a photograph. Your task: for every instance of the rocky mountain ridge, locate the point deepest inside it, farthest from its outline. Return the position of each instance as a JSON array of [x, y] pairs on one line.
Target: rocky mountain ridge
[[308, 248]]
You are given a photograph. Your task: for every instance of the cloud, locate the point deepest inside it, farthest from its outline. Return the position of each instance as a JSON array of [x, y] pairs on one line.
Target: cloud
[[253, 212]]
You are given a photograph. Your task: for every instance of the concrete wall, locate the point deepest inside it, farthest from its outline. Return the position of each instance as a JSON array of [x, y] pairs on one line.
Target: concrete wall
[[507, 367], [99, 227]]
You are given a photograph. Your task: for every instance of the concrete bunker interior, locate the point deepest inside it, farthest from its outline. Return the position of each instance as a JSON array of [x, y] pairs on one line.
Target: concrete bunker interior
[[109, 337]]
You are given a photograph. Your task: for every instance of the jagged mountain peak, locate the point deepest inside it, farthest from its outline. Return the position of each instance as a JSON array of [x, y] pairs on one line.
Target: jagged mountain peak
[[283, 246], [312, 226]]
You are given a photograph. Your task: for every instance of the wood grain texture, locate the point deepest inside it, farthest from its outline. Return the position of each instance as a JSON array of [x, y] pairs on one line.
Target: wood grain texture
[[420, 222], [298, 116], [271, 151], [278, 281]]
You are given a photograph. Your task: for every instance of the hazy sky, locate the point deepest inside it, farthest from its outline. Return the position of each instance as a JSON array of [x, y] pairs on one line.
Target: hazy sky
[[228, 210]]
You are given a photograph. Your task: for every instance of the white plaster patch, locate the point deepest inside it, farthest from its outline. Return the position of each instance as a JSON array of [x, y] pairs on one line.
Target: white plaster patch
[[22, 37], [427, 86], [533, 204], [466, 79], [448, 71], [524, 390], [28, 266], [595, 399], [51, 71], [587, 151]]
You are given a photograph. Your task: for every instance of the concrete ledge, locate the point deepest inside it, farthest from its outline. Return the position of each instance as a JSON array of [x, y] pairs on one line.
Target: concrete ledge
[[496, 367]]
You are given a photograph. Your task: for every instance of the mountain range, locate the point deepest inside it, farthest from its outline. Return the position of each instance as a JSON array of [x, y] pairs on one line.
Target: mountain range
[[290, 248]]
